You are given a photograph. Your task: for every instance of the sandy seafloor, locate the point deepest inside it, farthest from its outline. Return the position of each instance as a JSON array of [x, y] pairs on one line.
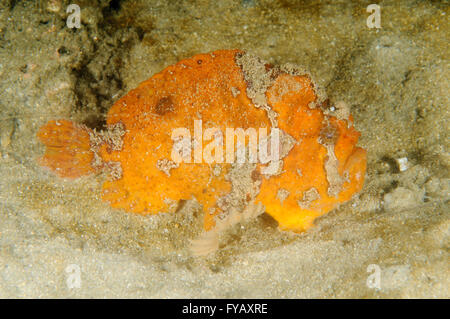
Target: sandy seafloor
[[396, 80]]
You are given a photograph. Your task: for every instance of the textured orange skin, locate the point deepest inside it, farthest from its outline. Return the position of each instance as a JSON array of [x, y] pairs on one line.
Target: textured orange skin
[[305, 125], [197, 90], [201, 88]]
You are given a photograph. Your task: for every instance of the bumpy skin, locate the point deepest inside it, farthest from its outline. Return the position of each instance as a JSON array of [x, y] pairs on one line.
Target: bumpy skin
[[197, 88], [212, 87], [304, 167]]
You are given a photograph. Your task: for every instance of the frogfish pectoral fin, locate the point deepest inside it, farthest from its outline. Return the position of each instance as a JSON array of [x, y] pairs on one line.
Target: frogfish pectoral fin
[[68, 150]]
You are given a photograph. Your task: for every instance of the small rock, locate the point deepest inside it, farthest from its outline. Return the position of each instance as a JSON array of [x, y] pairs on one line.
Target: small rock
[[402, 164]]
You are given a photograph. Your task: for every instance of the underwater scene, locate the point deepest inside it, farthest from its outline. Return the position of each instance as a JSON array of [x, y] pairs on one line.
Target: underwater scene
[[224, 149]]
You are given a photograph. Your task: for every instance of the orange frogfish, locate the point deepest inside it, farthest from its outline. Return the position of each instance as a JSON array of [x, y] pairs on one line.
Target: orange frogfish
[[168, 140]]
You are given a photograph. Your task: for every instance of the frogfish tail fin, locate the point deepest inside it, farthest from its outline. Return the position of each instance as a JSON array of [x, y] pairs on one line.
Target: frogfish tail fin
[[68, 148]]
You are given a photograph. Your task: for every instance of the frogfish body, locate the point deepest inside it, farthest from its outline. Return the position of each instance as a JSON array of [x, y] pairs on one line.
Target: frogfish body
[[319, 164]]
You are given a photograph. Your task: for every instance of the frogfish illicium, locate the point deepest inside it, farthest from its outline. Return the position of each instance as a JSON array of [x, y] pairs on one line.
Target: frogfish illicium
[[150, 169]]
